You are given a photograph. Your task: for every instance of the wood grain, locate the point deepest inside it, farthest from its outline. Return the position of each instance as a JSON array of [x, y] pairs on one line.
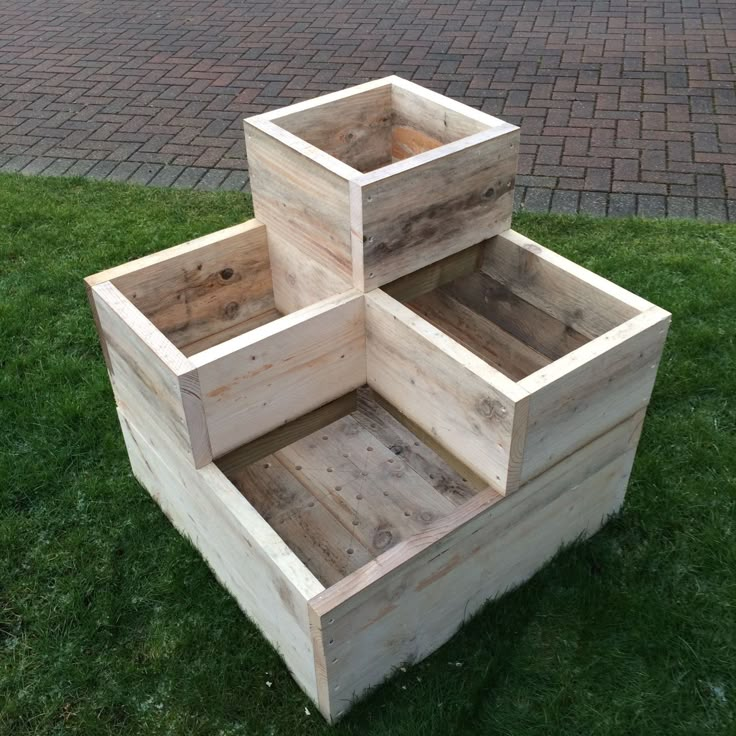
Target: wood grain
[[305, 206], [481, 336], [592, 389], [153, 381], [528, 323], [439, 202], [268, 581], [485, 548], [329, 549], [587, 303], [204, 287], [373, 492], [277, 372], [421, 458], [467, 405]]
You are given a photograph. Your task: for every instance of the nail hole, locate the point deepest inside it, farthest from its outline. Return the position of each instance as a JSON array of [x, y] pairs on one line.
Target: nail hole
[[370, 449], [359, 497], [406, 513], [385, 493], [390, 459], [226, 273], [350, 551], [298, 467], [331, 641], [325, 437], [266, 465], [329, 470], [338, 488], [355, 522]]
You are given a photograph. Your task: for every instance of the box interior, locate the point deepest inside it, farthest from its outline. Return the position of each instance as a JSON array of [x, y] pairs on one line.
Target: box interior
[[201, 301], [467, 300], [348, 491], [375, 128]]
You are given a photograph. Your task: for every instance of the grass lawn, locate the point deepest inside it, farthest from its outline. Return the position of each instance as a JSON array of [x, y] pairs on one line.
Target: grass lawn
[[111, 624]]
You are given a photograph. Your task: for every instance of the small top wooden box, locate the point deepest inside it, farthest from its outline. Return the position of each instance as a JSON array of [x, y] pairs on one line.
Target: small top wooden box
[[363, 186]]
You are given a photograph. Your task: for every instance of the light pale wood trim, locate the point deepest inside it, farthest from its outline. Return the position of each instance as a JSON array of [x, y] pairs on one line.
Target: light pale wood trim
[[272, 329], [581, 357], [268, 581], [467, 405], [488, 546], [256, 382], [250, 227], [159, 368], [436, 274], [570, 293], [283, 136], [144, 329], [274, 115], [445, 345], [591, 389], [448, 103], [282, 436], [421, 159]]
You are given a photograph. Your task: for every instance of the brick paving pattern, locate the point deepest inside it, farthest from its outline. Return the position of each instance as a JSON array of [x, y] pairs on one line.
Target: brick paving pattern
[[626, 106]]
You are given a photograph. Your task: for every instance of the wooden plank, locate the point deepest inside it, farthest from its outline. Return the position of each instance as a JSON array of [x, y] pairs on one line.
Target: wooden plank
[[265, 577], [426, 438], [153, 382], [435, 115], [228, 333], [356, 129], [528, 323], [371, 491], [404, 219], [324, 100], [203, 286], [592, 389], [481, 336], [485, 548], [406, 142], [408, 447], [305, 207], [436, 274], [317, 538], [470, 408], [282, 436], [275, 373], [588, 303]]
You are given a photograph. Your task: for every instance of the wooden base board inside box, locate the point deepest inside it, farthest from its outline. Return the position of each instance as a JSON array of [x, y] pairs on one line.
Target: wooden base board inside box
[[343, 622]]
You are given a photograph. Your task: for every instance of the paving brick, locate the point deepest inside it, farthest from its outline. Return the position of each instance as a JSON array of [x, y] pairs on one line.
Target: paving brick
[[564, 202], [593, 203], [537, 200], [621, 94], [621, 205], [189, 178], [651, 205], [711, 209], [680, 207]]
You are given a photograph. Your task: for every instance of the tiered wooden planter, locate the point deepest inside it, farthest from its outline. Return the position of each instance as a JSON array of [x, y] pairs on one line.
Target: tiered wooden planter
[[375, 406]]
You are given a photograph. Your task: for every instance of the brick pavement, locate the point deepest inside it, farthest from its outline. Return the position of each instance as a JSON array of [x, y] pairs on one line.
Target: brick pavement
[[626, 106]]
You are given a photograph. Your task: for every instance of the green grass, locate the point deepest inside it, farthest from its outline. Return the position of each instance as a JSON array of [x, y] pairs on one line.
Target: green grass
[[111, 624]]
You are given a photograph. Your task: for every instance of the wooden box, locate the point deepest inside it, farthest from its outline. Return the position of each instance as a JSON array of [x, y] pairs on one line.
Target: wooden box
[[333, 515], [360, 187], [363, 468]]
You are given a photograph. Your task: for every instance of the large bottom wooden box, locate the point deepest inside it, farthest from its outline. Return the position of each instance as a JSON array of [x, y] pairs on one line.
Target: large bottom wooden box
[[356, 548], [363, 473]]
